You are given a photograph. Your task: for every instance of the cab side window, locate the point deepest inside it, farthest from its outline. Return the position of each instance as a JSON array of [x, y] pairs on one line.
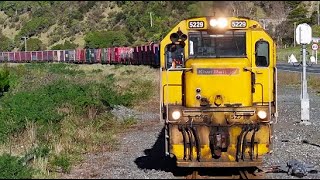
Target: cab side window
[[262, 54], [174, 57]]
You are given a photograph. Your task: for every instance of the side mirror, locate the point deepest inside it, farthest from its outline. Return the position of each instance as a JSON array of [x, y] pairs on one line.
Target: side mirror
[[174, 37], [172, 47]]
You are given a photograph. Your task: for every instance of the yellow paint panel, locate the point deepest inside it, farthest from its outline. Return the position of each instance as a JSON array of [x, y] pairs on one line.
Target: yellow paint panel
[[178, 151], [264, 75], [171, 85], [233, 88]]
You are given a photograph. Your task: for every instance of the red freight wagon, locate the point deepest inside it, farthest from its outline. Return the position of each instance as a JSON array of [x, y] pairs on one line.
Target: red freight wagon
[[72, 56], [155, 55], [62, 56], [49, 56], [97, 54], [112, 55], [5, 56], [141, 55], [80, 55], [39, 56], [121, 53], [28, 56], [17, 57], [56, 56], [11, 57], [45, 56], [106, 56], [116, 55], [135, 56], [33, 56], [126, 54], [130, 55], [146, 58], [1, 56], [23, 56]]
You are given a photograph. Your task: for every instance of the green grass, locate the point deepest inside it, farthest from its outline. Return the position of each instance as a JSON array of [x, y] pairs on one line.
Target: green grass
[[283, 53], [12, 168]]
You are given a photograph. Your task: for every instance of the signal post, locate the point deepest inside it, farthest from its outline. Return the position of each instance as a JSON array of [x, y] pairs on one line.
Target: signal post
[[304, 37]]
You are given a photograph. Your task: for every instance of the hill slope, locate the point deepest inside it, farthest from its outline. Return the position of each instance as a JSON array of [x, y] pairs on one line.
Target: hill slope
[[55, 22]]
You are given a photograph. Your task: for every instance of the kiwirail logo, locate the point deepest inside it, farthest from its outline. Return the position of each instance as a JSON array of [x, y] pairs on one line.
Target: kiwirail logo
[[218, 71]]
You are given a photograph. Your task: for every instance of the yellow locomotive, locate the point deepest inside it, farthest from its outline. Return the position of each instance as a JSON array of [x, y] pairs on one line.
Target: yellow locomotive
[[218, 92]]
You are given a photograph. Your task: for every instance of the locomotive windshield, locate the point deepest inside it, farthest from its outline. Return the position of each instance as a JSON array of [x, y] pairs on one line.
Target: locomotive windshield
[[229, 44]]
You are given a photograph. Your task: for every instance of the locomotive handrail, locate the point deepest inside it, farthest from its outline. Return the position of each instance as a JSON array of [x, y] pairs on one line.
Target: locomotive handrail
[[167, 94], [178, 69], [276, 92], [275, 99]]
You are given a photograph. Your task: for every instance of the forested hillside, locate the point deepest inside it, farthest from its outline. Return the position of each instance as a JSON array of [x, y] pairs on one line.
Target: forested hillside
[[72, 24]]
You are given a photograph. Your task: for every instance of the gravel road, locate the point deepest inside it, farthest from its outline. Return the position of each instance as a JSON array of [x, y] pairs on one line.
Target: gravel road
[[141, 152]]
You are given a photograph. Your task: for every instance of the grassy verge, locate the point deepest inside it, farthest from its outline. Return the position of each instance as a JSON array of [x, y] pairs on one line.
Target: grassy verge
[[294, 79], [54, 113], [283, 54]]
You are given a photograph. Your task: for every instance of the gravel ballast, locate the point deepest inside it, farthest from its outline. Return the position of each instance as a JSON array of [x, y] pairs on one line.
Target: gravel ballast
[[141, 156]]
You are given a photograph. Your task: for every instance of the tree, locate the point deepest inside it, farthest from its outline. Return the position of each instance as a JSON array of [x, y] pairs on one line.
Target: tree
[[64, 46], [33, 44], [298, 15], [104, 39], [314, 18], [6, 44]]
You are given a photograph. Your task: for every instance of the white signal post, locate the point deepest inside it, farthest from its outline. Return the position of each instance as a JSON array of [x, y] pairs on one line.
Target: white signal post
[[304, 37]]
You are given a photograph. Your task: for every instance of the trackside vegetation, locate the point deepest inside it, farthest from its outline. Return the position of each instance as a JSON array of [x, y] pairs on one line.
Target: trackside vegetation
[[51, 114]]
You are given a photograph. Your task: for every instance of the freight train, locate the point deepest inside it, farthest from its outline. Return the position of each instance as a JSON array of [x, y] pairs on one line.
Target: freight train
[[218, 87], [139, 55], [218, 92]]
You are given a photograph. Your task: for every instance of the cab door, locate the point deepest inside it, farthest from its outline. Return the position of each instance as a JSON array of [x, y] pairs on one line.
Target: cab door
[[262, 68], [171, 75]]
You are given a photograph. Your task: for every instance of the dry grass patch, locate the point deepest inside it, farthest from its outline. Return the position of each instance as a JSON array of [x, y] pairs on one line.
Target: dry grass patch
[[294, 79], [289, 78]]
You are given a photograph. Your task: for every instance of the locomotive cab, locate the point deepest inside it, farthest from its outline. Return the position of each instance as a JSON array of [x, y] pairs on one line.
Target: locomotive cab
[[218, 92]]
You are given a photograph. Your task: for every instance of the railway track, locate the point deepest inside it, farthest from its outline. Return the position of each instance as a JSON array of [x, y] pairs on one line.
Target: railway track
[[234, 173]]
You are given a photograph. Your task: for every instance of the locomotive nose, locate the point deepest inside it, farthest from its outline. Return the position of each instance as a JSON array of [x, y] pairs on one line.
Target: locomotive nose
[[217, 85]]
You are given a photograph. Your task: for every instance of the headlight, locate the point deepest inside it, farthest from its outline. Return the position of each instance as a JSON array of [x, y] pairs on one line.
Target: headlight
[[262, 114], [222, 22], [213, 22], [176, 115]]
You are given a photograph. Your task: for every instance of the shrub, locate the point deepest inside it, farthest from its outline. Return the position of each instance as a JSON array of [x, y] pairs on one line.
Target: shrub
[[33, 44], [65, 45], [103, 39], [4, 80], [13, 168]]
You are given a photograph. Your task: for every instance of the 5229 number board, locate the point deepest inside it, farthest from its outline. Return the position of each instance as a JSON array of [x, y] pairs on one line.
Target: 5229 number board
[[196, 24], [238, 24]]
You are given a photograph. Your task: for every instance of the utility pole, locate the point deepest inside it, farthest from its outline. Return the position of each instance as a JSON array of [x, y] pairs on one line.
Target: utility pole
[[264, 23], [25, 42], [150, 19], [294, 34]]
